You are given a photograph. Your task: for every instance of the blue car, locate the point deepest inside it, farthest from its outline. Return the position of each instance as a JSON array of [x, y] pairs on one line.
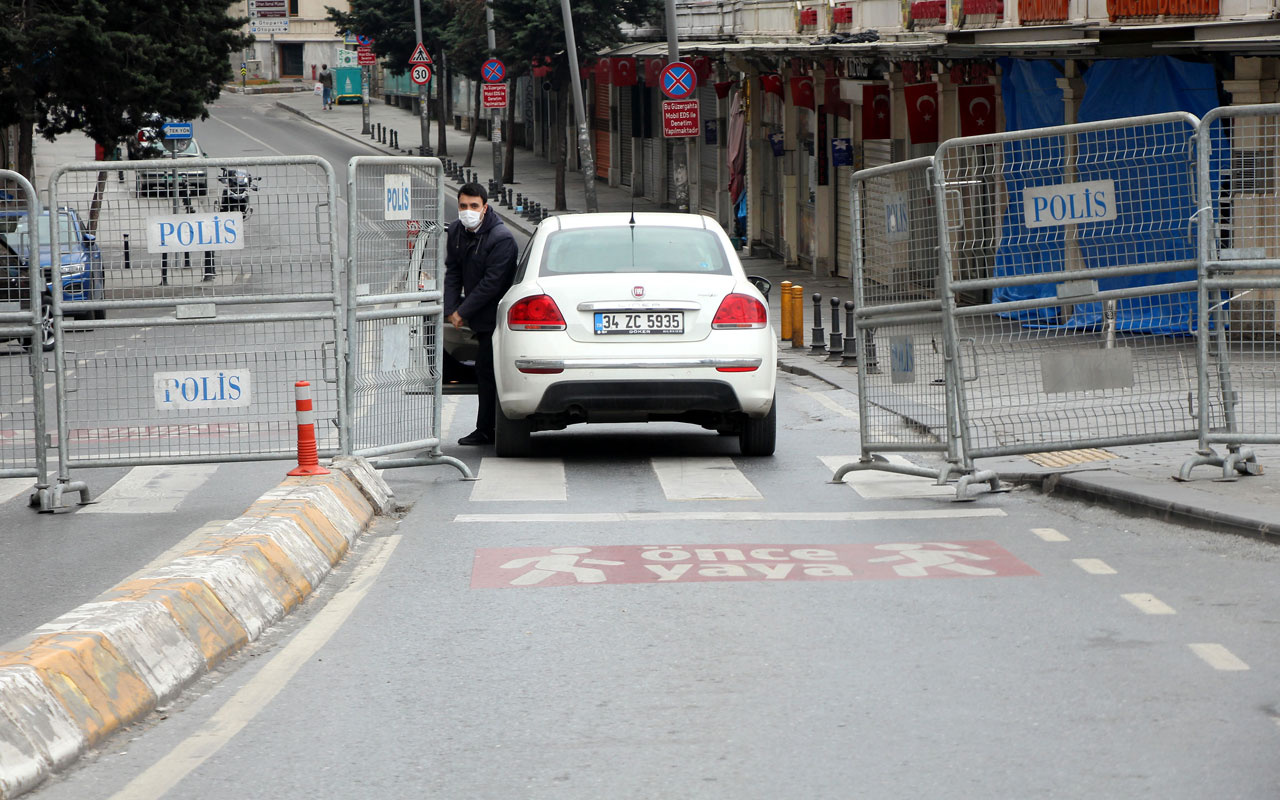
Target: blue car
[[80, 271]]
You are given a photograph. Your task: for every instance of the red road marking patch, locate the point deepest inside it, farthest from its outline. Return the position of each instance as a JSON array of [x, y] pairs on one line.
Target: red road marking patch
[[497, 568]]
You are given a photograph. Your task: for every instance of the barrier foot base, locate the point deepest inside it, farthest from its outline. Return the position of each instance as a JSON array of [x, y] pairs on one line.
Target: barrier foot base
[[51, 500], [426, 460], [1205, 458], [986, 476], [1241, 461], [307, 470]]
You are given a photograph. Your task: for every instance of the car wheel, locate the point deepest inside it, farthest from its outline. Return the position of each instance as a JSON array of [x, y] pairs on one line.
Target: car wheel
[[46, 326], [758, 437], [98, 313], [512, 437]]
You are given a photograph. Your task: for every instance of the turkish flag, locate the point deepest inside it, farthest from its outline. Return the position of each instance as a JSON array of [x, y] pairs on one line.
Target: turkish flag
[[802, 92], [922, 112], [876, 112], [723, 88], [701, 67], [832, 99], [653, 72], [604, 71], [771, 83], [624, 71], [541, 67], [977, 109]]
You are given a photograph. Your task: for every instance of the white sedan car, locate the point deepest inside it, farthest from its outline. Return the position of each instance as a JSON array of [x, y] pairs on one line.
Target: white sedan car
[[632, 318]]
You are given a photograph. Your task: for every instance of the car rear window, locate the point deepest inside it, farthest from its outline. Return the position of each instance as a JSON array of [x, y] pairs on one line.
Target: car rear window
[[633, 248]]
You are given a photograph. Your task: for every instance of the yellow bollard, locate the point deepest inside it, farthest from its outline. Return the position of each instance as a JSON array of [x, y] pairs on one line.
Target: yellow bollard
[[797, 316], [785, 288]]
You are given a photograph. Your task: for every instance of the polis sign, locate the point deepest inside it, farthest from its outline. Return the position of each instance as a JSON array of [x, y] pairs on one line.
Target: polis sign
[[180, 233], [216, 388], [1068, 204]]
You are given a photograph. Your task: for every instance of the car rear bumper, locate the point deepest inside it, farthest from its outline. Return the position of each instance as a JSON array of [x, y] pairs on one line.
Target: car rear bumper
[[636, 363]]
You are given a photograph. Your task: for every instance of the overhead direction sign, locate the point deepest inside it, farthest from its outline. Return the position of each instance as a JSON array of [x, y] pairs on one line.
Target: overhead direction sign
[[493, 71], [420, 74], [678, 81], [259, 25], [494, 95], [420, 55]]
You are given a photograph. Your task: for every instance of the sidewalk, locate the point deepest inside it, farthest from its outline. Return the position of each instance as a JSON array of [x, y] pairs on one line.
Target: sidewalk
[[1137, 479]]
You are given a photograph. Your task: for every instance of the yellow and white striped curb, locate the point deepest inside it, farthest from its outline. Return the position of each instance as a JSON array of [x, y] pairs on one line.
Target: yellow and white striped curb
[[73, 682]]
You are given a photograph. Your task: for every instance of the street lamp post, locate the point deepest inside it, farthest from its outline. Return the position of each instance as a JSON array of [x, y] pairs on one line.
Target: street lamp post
[[584, 141]]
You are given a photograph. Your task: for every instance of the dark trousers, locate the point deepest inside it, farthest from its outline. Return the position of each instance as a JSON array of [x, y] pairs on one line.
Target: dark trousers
[[486, 387]]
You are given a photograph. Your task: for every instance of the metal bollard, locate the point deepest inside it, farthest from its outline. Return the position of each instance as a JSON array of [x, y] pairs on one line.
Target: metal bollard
[[797, 316], [382, 134], [819, 345], [545, 214], [127, 264], [507, 196], [784, 292], [872, 364], [850, 356], [519, 202], [836, 348], [395, 139]]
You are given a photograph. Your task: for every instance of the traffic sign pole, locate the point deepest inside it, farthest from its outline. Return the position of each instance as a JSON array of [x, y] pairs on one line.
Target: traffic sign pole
[[680, 170], [424, 118], [495, 126], [584, 140]]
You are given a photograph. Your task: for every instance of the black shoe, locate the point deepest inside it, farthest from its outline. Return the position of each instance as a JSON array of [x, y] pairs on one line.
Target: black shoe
[[476, 437]]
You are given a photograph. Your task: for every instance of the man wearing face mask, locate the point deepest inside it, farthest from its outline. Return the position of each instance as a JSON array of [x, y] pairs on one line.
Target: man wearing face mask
[[479, 265]]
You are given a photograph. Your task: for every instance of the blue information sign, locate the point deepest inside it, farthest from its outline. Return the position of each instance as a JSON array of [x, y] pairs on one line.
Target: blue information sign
[[177, 130]]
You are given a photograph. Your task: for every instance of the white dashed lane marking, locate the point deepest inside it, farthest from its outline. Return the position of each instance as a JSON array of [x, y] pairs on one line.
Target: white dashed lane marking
[[1218, 657], [1093, 566], [1148, 604], [1050, 534]]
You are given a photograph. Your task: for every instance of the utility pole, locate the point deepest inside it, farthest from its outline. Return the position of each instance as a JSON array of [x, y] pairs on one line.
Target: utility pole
[[681, 168], [424, 120], [584, 140], [495, 122], [366, 129]]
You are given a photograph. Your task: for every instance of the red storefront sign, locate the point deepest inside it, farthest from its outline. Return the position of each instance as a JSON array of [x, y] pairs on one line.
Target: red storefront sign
[[501, 568], [1042, 11], [1123, 9]]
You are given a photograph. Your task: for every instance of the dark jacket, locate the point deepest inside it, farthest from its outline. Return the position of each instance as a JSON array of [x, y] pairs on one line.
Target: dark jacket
[[478, 270]]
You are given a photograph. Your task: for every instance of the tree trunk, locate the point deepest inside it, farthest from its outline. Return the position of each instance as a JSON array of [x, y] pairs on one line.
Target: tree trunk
[[442, 89], [475, 128], [562, 146], [509, 158], [26, 154]]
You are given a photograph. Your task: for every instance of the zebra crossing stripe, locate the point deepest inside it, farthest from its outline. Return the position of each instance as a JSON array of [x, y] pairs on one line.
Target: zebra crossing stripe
[[703, 479], [739, 516]]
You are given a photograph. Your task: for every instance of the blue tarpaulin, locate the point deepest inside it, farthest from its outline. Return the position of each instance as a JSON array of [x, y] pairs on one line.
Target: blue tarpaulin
[[1153, 171]]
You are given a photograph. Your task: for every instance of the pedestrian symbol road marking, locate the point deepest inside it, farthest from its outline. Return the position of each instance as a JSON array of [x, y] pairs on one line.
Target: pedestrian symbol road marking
[[498, 568]]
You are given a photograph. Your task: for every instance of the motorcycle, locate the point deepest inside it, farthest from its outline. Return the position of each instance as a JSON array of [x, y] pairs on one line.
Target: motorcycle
[[237, 183]]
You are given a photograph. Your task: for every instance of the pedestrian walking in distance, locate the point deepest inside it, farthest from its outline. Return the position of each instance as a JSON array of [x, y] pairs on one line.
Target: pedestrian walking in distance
[[479, 266], [326, 84]]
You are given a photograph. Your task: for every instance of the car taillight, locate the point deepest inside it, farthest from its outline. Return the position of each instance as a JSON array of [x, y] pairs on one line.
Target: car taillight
[[536, 313], [736, 369], [739, 311]]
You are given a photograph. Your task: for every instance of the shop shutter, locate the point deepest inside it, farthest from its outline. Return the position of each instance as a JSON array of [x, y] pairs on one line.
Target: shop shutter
[[624, 134], [709, 156], [669, 164], [652, 165], [601, 128]]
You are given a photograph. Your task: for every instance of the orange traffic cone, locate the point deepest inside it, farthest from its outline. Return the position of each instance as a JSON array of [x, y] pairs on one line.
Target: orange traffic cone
[[308, 451]]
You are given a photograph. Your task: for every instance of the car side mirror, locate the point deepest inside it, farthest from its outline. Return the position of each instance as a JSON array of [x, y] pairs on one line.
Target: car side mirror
[[89, 238], [762, 285]]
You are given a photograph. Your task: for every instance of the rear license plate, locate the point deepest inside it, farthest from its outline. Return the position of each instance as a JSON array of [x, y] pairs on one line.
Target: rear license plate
[[637, 323]]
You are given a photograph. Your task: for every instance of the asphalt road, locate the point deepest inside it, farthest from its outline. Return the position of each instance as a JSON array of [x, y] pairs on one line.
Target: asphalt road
[[49, 564], [639, 612]]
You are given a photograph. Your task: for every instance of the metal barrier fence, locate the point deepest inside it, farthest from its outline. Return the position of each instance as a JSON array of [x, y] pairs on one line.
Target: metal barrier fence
[[394, 305], [209, 293], [1072, 283], [1239, 290], [906, 402], [25, 326]]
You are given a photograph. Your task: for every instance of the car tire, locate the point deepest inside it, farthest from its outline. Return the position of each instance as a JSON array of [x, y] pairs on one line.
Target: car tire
[[758, 437], [512, 437], [46, 326]]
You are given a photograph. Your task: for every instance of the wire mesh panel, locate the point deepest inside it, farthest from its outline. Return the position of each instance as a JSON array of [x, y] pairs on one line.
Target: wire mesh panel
[[24, 327], [1240, 291], [212, 288], [396, 272], [1070, 265], [902, 391]]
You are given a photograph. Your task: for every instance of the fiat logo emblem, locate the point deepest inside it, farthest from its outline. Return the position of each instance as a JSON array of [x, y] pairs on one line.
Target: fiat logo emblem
[[637, 291]]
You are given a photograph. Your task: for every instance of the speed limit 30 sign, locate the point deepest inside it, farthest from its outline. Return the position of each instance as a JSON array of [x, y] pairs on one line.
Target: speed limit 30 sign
[[420, 74]]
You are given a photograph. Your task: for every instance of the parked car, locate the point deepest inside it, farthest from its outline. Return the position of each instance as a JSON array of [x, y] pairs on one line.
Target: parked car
[[80, 270], [158, 181], [633, 318]]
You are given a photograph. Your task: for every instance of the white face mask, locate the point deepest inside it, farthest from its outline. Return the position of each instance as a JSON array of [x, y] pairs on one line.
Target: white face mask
[[470, 218]]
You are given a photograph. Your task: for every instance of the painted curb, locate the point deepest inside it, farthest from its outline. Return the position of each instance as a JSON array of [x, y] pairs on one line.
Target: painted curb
[[73, 682]]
